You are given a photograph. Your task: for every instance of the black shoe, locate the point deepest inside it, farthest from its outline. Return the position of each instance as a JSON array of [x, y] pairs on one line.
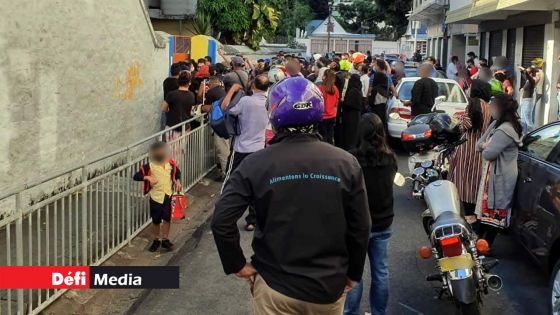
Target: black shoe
[[155, 245], [166, 244]]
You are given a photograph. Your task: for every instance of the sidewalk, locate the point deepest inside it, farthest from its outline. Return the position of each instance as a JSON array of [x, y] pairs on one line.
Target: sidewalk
[[184, 234]]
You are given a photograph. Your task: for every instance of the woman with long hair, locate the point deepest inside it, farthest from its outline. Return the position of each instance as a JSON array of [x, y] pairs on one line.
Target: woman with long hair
[[379, 90], [379, 165], [330, 96], [466, 165], [499, 146], [352, 107]]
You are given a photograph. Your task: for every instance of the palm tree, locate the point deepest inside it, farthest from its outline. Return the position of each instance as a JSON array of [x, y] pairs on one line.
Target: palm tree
[[201, 24]]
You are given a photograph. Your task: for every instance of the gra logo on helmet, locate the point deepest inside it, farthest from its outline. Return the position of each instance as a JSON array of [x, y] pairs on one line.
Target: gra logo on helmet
[[302, 105]]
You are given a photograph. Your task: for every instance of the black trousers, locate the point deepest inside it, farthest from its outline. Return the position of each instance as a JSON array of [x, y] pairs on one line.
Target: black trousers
[[235, 158], [326, 130]]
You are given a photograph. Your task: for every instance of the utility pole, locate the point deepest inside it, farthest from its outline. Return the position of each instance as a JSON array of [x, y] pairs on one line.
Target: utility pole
[[415, 25], [329, 28]]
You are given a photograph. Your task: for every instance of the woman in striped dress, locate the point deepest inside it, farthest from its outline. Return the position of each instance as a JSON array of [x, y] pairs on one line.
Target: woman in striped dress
[[466, 165]]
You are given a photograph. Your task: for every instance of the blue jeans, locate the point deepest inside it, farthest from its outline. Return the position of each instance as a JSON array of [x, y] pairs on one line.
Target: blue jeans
[[526, 115], [379, 289]]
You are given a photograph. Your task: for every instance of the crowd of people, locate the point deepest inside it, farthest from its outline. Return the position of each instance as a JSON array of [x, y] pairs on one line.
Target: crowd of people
[[501, 76], [320, 197]]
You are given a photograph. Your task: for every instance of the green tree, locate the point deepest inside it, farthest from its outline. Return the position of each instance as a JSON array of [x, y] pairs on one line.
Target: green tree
[[394, 15], [385, 18], [295, 15], [241, 21], [230, 17], [264, 22], [320, 8], [361, 16], [201, 24]]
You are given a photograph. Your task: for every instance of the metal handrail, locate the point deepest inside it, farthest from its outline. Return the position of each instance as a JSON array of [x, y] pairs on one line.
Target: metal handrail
[[87, 223], [36, 183]]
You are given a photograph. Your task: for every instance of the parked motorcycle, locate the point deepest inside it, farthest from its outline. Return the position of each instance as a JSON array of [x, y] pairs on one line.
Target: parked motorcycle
[[434, 167], [463, 271], [430, 139]]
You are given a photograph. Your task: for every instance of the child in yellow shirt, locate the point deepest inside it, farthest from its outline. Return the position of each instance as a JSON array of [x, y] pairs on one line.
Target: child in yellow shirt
[[161, 177]]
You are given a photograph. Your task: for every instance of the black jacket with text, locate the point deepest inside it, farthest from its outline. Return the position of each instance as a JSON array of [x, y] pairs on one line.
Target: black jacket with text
[[312, 213]]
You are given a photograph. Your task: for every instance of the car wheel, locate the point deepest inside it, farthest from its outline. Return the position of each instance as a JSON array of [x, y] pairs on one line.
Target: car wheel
[[555, 289]]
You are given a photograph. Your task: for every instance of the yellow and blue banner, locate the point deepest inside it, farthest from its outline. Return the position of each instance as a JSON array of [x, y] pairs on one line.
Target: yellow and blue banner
[[202, 46]]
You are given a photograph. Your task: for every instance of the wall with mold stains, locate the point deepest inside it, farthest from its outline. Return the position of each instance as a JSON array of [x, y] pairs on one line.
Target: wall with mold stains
[[78, 79]]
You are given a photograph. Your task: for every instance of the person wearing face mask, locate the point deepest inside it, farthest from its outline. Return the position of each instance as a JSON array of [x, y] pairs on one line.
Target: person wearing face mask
[[161, 177], [465, 167], [499, 147]]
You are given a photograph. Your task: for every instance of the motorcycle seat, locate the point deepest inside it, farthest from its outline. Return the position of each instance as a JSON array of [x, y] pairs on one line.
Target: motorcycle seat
[[449, 217]]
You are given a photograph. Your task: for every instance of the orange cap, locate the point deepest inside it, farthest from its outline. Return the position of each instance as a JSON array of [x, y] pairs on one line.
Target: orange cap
[[358, 57]]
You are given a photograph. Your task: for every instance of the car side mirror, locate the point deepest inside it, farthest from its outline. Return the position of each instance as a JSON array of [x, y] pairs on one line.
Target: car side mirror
[[440, 99]]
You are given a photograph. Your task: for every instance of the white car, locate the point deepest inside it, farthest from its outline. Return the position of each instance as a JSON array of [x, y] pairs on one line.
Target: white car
[[451, 99]]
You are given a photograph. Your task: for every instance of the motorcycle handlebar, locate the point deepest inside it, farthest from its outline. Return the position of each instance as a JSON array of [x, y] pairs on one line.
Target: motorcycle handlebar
[[458, 143]]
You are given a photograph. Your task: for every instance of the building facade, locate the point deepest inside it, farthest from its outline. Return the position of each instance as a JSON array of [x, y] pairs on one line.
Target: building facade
[[415, 38], [520, 30], [444, 40]]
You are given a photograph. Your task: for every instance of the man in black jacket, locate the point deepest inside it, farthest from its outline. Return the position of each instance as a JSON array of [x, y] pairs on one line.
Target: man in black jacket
[[312, 213], [424, 92]]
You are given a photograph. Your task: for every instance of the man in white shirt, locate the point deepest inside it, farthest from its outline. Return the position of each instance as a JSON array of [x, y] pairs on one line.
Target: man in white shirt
[[451, 71]]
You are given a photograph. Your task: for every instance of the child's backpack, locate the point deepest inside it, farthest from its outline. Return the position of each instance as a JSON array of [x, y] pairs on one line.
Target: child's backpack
[[495, 87]]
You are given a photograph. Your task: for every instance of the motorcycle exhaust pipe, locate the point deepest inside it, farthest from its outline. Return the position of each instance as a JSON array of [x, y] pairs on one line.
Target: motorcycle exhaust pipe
[[494, 282]]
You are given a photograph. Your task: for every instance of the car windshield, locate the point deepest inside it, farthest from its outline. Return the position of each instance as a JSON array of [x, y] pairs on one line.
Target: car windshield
[[410, 71], [451, 91]]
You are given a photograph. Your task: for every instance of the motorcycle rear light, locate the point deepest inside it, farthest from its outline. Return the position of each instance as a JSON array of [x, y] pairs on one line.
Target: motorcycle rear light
[[451, 246], [409, 137]]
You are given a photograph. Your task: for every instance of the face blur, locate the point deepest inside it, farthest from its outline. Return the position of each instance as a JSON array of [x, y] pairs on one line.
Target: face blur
[[425, 70], [494, 109], [160, 155]]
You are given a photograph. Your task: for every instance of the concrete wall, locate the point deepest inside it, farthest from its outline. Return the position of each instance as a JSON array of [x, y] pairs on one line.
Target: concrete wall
[[387, 47], [78, 79]]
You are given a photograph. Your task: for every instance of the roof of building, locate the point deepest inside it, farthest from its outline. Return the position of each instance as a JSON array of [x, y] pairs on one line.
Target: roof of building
[[312, 25], [320, 30]]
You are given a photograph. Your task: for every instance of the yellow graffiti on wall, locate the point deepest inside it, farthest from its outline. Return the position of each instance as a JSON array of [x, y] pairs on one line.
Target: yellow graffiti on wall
[[125, 87]]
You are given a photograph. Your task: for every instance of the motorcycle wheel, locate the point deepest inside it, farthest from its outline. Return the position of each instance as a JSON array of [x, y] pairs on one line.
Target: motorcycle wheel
[[470, 309]]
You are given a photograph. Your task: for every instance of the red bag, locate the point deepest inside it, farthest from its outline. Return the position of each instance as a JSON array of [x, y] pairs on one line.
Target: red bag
[[178, 206]]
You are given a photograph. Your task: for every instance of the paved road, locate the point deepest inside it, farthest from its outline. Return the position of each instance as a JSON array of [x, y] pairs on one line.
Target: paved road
[[205, 289]]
